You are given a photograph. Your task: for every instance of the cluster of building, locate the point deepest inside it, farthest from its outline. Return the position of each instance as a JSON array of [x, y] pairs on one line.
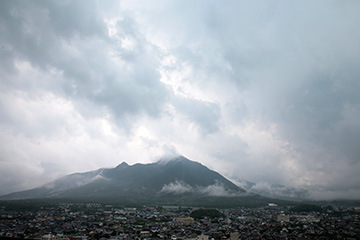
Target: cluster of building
[[96, 221]]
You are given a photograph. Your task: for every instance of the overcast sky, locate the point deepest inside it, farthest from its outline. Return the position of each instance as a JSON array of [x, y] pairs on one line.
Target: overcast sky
[[267, 91]]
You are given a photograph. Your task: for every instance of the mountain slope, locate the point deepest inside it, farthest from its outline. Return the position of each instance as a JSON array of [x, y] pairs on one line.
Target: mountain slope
[[272, 190]]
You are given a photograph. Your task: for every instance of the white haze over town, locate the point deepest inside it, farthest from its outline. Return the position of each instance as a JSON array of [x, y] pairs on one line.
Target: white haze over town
[[266, 91]]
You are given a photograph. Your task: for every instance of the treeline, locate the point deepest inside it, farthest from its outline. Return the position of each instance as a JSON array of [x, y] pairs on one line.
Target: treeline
[[306, 208], [202, 213]]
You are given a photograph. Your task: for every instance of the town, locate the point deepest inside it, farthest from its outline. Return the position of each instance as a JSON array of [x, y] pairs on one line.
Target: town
[[101, 221]]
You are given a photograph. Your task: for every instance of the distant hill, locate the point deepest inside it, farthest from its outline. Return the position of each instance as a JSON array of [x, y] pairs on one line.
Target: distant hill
[[272, 190], [178, 181]]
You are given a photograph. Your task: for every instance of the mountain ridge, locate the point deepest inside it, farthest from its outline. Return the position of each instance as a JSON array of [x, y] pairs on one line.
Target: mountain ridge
[[272, 190]]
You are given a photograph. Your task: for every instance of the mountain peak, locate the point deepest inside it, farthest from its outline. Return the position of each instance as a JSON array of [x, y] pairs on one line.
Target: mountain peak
[[122, 165], [176, 159]]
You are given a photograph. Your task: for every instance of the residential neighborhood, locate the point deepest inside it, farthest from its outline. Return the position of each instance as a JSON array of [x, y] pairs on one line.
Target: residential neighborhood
[[100, 221]]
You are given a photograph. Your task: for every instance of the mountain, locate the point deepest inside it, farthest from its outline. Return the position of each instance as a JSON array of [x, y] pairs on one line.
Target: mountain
[[179, 181], [175, 178]]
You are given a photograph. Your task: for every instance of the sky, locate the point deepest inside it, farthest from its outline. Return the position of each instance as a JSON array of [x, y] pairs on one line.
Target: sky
[[266, 91]]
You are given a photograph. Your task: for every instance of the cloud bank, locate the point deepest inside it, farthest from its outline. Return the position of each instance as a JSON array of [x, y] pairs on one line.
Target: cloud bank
[[217, 189], [262, 91]]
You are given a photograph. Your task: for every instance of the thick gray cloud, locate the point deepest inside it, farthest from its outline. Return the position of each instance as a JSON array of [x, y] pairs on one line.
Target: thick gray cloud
[[266, 91]]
